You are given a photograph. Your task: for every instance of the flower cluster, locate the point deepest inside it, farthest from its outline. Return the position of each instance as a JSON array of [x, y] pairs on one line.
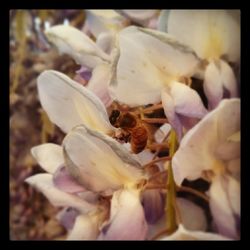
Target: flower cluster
[[107, 177]]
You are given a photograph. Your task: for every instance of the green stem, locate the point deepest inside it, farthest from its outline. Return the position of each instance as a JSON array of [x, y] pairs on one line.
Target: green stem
[[171, 194]]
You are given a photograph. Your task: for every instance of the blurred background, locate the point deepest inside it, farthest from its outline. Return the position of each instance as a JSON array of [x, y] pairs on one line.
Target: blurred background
[[31, 215]]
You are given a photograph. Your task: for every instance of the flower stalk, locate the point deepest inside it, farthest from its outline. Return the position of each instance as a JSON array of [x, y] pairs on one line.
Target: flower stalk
[[171, 194]]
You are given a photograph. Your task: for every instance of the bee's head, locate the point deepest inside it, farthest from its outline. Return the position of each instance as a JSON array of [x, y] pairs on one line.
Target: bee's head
[[114, 116]]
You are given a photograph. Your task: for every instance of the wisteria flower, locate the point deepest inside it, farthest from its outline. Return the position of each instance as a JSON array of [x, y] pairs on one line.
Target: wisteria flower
[[93, 163], [103, 25], [136, 126], [94, 60], [215, 37], [63, 191], [150, 65], [211, 149]]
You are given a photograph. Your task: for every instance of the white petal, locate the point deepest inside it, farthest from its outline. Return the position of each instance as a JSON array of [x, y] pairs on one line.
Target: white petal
[[100, 21], [219, 76], [146, 62], [187, 102], [221, 207], [44, 183], [228, 79], [98, 161], [177, 57], [75, 43], [213, 86], [69, 104], [106, 41], [234, 195], [127, 221], [183, 234], [49, 156], [99, 83], [234, 168], [228, 151], [85, 228], [228, 118], [134, 73], [193, 217], [197, 149], [211, 33]]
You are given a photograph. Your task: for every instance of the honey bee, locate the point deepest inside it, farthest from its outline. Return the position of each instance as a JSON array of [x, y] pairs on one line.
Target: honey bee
[[133, 129]]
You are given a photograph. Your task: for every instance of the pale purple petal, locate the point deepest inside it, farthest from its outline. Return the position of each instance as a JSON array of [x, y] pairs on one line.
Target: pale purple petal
[[67, 217], [44, 183], [127, 220], [183, 107], [85, 228], [193, 217], [84, 73], [98, 83], [188, 122], [169, 109], [223, 204], [187, 102], [89, 196], [153, 201], [65, 182]]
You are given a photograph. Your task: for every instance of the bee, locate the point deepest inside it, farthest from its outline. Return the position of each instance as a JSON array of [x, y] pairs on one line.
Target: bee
[[133, 129]]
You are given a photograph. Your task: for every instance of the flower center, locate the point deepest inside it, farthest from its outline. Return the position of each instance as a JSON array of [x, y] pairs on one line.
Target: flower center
[[214, 45]]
